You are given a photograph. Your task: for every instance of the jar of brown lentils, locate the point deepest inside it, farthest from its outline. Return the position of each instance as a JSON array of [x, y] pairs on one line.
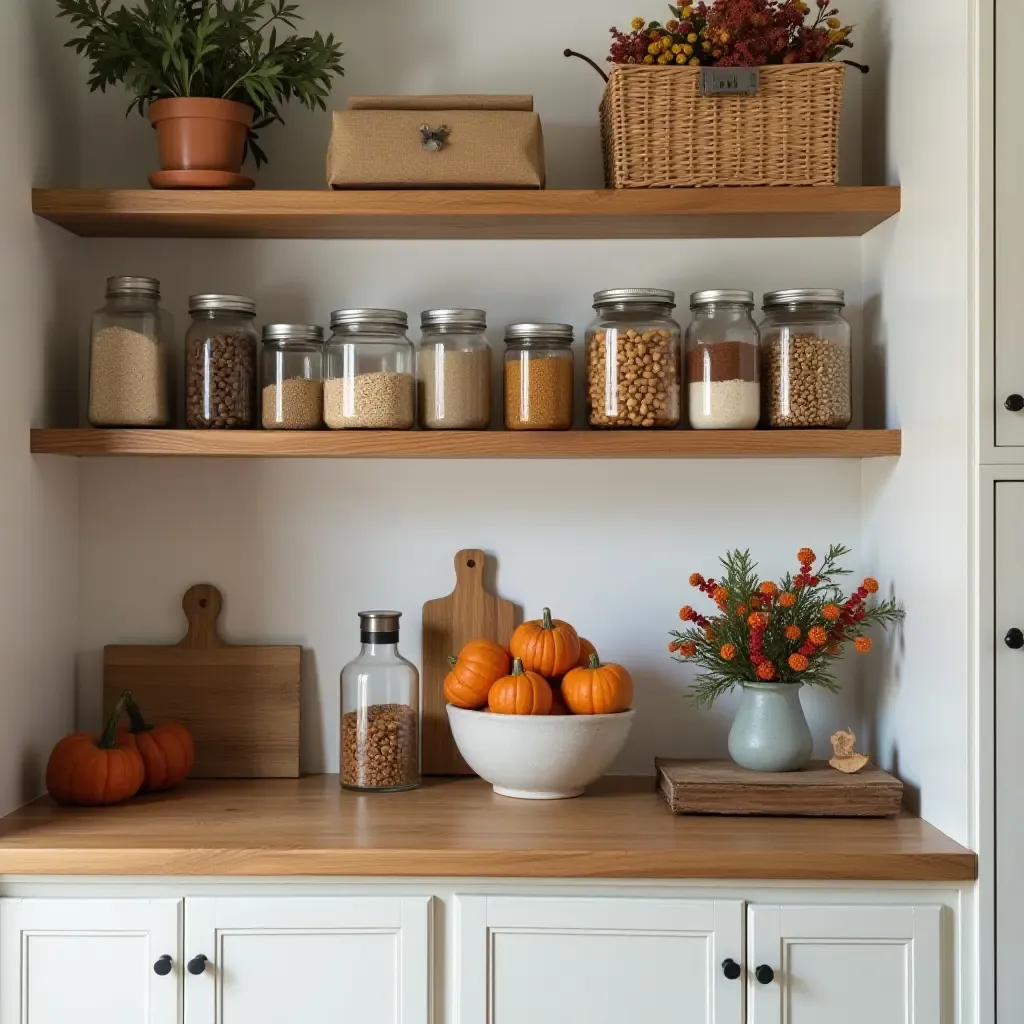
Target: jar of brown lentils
[[633, 359]]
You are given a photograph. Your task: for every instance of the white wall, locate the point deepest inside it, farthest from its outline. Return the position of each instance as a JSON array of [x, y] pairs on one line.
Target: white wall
[[38, 498]]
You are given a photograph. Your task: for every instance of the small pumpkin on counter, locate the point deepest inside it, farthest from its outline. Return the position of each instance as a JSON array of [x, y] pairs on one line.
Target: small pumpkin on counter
[[91, 770], [547, 646], [167, 749], [598, 689], [479, 665], [521, 693]]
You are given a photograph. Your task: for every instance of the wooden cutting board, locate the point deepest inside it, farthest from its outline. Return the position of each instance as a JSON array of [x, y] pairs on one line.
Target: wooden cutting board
[[468, 613], [722, 787], [240, 702]]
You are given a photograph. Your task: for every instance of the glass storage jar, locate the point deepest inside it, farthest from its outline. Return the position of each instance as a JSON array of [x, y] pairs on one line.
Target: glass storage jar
[[380, 697], [369, 379], [292, 375], [129, 378], [453, 370], [723, 361], [633, 359], [805, 359], [220, 363], [539, 377]]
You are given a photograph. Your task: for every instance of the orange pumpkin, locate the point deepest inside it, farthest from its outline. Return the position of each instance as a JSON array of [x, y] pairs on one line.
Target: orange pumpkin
[[521, 693], [558, 705], [598, 689], [479, 665], [167, 749], [91, 770], [586, 650], [548, 646]]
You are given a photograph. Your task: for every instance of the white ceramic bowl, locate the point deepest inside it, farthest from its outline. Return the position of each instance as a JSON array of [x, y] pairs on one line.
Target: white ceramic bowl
[[539, 757]]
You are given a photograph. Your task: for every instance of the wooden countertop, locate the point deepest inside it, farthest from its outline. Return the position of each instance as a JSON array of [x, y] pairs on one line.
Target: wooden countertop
[[620, 829]]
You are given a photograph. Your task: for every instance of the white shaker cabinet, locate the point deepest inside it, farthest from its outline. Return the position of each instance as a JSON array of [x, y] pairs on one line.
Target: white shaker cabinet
[[95, 961], [537, 960], [269, 960], [844, 965]]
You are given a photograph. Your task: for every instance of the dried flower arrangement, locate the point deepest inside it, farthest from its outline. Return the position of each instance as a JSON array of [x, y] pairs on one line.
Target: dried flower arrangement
[[790, 632]]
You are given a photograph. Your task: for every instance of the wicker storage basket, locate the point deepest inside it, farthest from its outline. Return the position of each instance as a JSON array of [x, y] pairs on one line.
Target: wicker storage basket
[[658, 130]]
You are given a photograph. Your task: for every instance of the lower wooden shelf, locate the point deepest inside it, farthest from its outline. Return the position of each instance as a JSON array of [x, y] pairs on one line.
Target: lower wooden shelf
[[482, 444]]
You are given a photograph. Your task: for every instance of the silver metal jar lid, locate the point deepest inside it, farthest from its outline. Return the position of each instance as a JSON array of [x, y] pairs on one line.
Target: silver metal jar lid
[[557, 334], [628, 296], [275, 333], [214, 303], [383, 317], [453, 317], [805, 296], [141, 286], [379, 622], [734, 296]]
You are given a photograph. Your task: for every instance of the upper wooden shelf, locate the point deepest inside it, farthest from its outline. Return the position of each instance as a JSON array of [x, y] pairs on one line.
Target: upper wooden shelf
[[474, 444], [601, 213]]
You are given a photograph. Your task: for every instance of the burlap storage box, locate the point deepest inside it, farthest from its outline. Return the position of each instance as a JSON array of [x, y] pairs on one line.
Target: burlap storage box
[[489, 142], [658, 130]]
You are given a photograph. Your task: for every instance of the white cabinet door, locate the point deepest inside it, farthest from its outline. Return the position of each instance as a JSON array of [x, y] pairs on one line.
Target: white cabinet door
[[844, 965], [309, 960], [90, 961], [534, 960]]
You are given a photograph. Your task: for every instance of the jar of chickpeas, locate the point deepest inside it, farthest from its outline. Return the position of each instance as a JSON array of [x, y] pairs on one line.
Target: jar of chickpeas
[[633, 359]]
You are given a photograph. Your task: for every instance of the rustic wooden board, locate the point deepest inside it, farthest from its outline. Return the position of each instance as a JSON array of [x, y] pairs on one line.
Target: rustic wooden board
[[468, 613], [240, 702], [722, 787]]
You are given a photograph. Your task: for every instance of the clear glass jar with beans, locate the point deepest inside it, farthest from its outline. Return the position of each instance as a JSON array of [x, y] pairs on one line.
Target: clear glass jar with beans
[[291, 373]]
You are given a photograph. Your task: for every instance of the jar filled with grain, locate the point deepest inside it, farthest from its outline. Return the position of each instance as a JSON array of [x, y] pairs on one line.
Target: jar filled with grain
[[633, 359], [453, 370], [805, 359], [292, 377], [380, 700], [369, 379], [723, 361], [220, 363], [129, 378], [539, 377]]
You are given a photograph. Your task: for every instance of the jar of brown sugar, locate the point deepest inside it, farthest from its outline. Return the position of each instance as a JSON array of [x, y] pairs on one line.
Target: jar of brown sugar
[[633, 359], [722, 361], [538, 377], [805, 359]]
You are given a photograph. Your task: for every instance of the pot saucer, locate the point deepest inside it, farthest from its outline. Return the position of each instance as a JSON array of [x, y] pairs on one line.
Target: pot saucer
[[200, 179]]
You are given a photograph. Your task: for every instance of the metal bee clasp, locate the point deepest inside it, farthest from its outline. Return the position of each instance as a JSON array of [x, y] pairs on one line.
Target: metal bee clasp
[[433, 139]]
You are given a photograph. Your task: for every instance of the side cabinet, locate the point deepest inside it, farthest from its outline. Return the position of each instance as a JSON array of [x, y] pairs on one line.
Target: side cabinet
[[532, 960], [844, 965], [90, 961]]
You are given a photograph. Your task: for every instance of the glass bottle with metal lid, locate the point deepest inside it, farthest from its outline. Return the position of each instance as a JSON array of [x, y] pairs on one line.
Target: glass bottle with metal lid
[[129, 377], [369, 378], [453, 370], [380, 694], [220, 362], [723, 361], [539, 377], [291, 372], [806, 369], [633, 359]]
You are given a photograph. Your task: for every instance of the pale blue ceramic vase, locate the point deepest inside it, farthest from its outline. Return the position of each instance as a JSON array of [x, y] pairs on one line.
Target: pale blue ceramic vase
[[770, 732]]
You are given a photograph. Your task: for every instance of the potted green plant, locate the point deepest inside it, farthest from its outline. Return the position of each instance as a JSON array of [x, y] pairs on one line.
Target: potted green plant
[[209, 74]]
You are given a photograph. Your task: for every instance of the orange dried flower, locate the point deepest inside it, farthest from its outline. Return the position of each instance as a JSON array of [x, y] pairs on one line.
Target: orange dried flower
[[863, 644], [833, 650], [871, 585], [696, 579], [817, 636], [755, 602], [798, 663], [719, 594], [686, 613], [805, 556], [709, 633], [757, 621], [830, 612], [766, 671], [792, 632], [728, 651], [741, 609], [673, 647], [786, 599], [768, 588], [687, 650]]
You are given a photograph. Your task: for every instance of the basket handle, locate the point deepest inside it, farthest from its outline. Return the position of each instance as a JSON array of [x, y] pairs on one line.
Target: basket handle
[[582, 56]]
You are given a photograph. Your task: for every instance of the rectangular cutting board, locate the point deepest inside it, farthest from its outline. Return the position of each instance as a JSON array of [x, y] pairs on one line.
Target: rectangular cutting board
[[240, 702]]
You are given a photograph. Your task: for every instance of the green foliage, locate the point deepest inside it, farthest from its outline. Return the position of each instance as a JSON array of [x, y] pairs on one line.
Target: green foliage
[[176, 48]]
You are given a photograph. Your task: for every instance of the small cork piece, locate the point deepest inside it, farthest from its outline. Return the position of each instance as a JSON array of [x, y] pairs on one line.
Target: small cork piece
[[845, 760]]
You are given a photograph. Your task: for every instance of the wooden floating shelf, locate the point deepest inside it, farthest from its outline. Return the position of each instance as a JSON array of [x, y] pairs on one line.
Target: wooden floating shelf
[[488, 444], [557, 213]]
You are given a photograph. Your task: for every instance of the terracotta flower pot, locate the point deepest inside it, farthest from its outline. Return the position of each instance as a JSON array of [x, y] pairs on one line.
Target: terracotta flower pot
[[201, 134]]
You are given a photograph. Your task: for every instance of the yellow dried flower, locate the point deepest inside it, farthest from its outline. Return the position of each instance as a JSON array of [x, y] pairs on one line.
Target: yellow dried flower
[[688, 49], [706, 46], [686, 11], [665, 58], [692, 37], [654, 48], [695, 61], [681, 58], [834, 23], [648, 59], [638, 23], [678, 48]]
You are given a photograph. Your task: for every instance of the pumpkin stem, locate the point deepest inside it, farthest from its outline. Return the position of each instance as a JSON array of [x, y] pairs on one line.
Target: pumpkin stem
[[517, 667], [545, 621], [108, 739], [139, 724], [595, 661], [452, 661]]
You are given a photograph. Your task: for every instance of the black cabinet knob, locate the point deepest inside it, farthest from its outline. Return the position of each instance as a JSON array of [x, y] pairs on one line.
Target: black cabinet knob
[[163, 966], [764, 974], [1014, 403], [731, 969], [197, 964], [1014, 638]]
